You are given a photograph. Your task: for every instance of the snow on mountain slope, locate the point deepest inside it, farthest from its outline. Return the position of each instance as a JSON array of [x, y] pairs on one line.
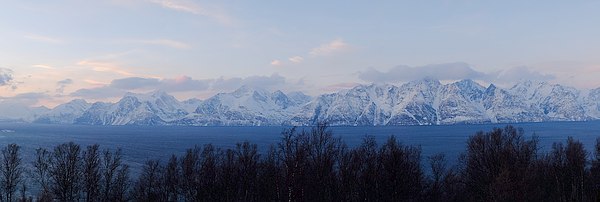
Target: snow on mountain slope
[[362, 105], [156, 108], [557, 102], [504, 107], [245, 106], [460, 102], [190, 105], [65, 113], [421, 102], [410, 104], [592, 104], [17, 112]]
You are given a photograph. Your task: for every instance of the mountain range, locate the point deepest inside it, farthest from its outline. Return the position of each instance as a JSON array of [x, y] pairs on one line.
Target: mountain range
[[420, 102]]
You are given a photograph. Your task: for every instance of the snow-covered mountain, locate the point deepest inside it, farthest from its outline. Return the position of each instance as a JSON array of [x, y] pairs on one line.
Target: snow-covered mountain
[[421, 102], [245, 106], [65, 113], [156, 108]]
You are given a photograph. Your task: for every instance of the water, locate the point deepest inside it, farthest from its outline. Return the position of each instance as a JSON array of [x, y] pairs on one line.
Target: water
[[141, 143]]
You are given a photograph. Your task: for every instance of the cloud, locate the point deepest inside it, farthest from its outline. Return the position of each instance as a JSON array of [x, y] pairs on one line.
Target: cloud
[[184, 83], [179, 84], [276, 63], [193, 8], [62, 84], [266, 82], [132, 83], [166, 42], [31, 96], [104, 67], [118, 87], [332, 47], [65, 82], [6, 76], [454, 71], [98, 93], [45, 39], [296, 59], [446, 71], [43, 66], [95, 83], [25, 99], [339, 86], [520, 74]]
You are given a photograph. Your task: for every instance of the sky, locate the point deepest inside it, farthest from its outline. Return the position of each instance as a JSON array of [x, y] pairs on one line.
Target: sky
[[55, 51]]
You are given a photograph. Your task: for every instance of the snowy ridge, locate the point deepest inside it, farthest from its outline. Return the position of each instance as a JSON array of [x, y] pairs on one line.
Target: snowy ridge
[[420, 102]]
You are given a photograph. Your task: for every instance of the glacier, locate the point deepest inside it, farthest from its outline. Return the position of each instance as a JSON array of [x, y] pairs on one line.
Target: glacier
[[419, 102]]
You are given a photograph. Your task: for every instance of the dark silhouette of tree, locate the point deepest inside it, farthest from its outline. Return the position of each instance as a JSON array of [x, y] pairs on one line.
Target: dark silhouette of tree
[[11, 170], [435, 190], [497, 165], [209, 173], [115, 177], [293, 158], [121, 184], [91, 173], [23, 191], [227, 180], [346, 175], [400, 172], [190, 175], [65, 172], [269, 180], [568, 169], [313, 165], [149, 186], [246, 169], [322, 159], [171, 179], [593, 185], [41, 173], [369, 178]]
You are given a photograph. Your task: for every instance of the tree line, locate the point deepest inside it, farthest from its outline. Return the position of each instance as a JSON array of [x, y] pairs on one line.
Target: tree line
[[313, 165]]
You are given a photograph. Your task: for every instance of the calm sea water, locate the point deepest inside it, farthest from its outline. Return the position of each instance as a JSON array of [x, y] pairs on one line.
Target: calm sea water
[[150, 142]]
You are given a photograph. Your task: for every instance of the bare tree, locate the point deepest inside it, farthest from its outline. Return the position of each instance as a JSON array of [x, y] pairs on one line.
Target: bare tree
[[269, 180], [400, 172], [121, 184], [65, 171], [367, 157], [209, 173], [149, 186], [576, 158], [41, 173], [11, 170], [247, 170], [498, 165], [293, 158], [171, 179], [438, 172], [594, 175], [110, 165], [323, 156], [190, 174], [91, 173]]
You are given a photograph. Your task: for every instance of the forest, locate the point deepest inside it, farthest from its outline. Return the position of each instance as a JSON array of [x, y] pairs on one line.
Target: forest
[[312, 165]]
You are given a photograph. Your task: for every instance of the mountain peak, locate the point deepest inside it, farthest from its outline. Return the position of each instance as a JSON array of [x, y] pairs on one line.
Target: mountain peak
[[248, 90], [158, 93], [78, 101], [420, 102]]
